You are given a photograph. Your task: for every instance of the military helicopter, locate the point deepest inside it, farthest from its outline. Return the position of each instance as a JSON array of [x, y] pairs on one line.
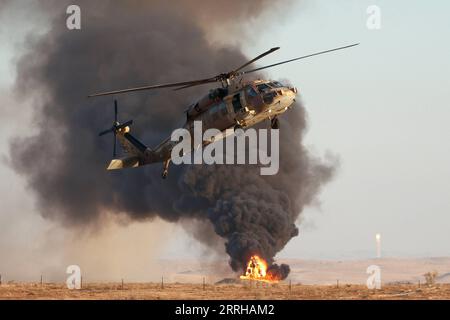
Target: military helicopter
[[236, 104]]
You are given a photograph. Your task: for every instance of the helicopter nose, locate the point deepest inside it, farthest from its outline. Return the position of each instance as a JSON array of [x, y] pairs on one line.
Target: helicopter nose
[[292, 94]]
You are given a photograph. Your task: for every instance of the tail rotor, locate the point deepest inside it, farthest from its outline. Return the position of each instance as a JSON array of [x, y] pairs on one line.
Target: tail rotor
[[116, 127]]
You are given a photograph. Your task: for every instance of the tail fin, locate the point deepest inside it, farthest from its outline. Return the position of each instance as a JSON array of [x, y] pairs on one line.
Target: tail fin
[[129, 162], [134, 149]]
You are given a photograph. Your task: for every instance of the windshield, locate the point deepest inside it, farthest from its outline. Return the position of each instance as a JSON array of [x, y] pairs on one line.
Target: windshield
[[262, 87], [276, 84]]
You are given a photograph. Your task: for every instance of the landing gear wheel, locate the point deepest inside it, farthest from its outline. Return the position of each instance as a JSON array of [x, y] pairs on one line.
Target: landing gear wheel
[[238, 127], [166, 169], [275, 123]]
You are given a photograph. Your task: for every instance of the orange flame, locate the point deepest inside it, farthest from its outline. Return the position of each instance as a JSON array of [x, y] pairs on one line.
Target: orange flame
[[257, 270]]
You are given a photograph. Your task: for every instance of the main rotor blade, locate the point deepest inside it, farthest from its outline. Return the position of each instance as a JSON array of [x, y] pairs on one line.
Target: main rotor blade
[[299, 58], [158, 86], [257, 58], [199, 83], [220, 77], [186, 84]]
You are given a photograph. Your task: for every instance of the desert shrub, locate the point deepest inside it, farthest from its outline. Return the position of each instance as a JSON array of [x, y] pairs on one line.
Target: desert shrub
[[430, 277]]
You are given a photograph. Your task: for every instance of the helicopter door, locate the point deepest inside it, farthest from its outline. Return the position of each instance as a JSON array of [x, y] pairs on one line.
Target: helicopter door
[[254, 100], [237, 104]]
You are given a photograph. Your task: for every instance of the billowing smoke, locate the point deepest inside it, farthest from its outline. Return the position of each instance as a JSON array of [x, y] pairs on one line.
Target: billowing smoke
[[131, 43], [257, 214]]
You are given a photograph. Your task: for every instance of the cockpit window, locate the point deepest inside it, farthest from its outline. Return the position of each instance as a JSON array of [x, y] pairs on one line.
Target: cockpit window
[[251, 93], [276, 84], [218, 93], [262, 87]]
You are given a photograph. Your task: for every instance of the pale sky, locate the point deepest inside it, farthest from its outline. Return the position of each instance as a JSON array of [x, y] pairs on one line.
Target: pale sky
[[382, 107]]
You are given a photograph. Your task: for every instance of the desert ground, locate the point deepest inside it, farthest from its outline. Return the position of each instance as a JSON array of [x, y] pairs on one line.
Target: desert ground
[[309, 279], [322, 272], [251, 291]]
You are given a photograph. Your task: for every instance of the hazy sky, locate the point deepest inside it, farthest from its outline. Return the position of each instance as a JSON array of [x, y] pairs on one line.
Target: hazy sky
[[381, 107], [384, 108]]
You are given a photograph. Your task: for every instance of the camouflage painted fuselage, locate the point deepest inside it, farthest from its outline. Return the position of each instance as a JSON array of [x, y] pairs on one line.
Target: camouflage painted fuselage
[[237, 106]]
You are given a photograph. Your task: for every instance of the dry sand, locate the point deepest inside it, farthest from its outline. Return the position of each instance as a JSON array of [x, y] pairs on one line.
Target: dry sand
[[310, 279], [220, 292]]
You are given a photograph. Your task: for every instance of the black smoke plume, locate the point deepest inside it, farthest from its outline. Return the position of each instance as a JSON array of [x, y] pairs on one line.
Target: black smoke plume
[[131, 43]]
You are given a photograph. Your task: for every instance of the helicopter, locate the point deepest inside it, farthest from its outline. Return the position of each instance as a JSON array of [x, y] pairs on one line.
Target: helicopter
[[236, 104]]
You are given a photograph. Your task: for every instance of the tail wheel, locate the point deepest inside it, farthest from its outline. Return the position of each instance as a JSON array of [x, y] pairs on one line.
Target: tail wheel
[[238, 127]]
